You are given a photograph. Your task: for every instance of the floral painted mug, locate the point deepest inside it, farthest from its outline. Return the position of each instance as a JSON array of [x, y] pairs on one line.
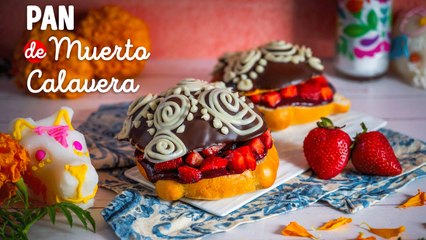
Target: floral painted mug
[[363, 42]]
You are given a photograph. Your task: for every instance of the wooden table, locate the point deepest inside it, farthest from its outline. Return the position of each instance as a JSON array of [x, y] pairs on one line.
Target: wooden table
[[404, 108]]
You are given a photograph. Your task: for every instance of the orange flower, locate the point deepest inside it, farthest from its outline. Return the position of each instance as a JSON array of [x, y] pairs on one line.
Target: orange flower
[[361, 237], [386, 232], [415, 201], [335, 223], [113, 25], [13, 162], [76, 69], [295, 230]]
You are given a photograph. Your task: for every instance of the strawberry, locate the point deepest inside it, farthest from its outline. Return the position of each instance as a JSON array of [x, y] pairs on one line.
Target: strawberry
[[327, 149], [373, 155], [257, 147], [256, 98], [213, 163], [169, 165], [249, 157], [212, 150], [320, 80], [194, 159], [189, 174], [309, 91], [236, 162], [289, 92], [326, 93], [266, 139], [271, 99]]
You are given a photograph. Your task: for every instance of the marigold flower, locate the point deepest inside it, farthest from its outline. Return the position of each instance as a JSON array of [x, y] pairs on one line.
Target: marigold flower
[[14, 160], [112, 25], [50, 68]]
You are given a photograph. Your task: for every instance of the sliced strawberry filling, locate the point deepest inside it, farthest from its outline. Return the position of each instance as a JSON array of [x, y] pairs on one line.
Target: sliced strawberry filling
[[314, 91], [213, 161]]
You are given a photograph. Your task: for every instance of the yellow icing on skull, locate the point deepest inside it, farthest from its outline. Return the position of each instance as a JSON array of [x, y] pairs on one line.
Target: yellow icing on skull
[[79, 172], [63, 115], [19, 127], [79, 153]]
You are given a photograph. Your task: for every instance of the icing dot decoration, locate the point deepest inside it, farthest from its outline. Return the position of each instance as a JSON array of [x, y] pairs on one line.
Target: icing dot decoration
[[224, 130], [77, 145], [40, 155]]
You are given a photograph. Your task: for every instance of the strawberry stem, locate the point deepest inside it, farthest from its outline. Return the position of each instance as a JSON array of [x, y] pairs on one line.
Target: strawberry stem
[[364, 127], [327, 123], [364, 130]]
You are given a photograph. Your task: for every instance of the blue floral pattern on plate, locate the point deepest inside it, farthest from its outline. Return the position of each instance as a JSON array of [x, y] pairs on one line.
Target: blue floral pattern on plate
[[136, 212]]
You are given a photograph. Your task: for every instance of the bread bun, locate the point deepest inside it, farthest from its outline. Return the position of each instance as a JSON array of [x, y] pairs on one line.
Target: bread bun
[[224, 186], [279, 77], [201, 141], [282, 117]]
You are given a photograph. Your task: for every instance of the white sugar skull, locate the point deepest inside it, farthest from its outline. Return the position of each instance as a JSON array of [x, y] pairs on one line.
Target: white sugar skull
[[409, 47], [60, 166]]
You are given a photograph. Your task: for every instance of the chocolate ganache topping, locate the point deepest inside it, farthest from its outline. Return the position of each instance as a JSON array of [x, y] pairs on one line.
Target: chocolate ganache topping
[[271, 66], [192, 115]]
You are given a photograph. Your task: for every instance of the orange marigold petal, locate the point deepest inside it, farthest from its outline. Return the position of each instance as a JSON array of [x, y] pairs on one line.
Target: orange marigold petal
[[14, 160], [361, 237], [386, 232], [295, 230], [415, 201], [335, 223]]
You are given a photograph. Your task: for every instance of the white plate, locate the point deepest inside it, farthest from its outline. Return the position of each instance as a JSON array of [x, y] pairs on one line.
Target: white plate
[[292, 161]]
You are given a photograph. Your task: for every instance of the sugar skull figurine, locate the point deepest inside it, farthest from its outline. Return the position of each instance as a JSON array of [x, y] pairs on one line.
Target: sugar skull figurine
[[60, 167], [409, 46]]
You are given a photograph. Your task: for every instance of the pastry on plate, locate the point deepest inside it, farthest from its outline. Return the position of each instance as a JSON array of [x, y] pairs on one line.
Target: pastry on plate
[[285, 81], [200, 141]]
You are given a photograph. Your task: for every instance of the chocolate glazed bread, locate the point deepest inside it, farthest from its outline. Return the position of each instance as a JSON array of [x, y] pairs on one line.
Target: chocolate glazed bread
[[285, 82], [200, 141]]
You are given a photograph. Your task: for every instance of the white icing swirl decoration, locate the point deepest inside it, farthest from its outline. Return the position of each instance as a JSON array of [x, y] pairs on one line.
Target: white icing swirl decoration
[[230, 112], [171, 114], [141, 104], [240, 64], [242, 68], [166, 115], [164, 146]]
